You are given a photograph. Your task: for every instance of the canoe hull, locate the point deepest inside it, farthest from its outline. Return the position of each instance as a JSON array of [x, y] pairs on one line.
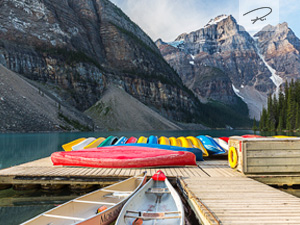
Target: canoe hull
[[124, 157], [210, 145], [197, 152], [131, 140], [82, 210], [142, 203], [152, 140], [106, 217]]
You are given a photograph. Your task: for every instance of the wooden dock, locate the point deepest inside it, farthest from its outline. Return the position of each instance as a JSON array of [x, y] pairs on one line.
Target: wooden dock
[[216, 193]]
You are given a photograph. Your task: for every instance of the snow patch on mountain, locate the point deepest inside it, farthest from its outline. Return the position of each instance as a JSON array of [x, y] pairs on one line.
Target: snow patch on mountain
[[216, 20], [277, 80], [237, 92]]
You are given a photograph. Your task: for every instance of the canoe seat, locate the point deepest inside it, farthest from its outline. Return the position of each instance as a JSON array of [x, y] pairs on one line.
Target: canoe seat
[[64, 217], [117, 194], [152, 215], [93, 202], [158, 191]]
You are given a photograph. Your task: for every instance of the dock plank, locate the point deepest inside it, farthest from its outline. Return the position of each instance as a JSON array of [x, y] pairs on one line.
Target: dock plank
[[256, 202]]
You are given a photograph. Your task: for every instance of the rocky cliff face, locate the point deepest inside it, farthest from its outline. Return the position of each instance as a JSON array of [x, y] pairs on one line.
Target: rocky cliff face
[[281, 50], [77, 47], [221, 44], [25, 107]]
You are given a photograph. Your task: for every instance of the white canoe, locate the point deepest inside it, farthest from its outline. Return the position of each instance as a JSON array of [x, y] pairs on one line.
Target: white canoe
[[83, 210], [84, 143], [222, 143], [156, 202]]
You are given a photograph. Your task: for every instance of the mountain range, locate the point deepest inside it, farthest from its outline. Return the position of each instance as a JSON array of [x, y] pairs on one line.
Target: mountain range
[[87, 56], [222, 61]]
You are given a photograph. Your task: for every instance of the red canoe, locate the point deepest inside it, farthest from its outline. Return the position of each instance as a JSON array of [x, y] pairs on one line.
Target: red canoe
[[131, 140], [251, 136], [123, 157], [225, 139]]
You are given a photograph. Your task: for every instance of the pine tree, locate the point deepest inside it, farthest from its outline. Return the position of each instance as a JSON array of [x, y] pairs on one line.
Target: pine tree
[[297, 123], [270, 122], [263, 120], [290, 111], [260, 126], [281, 108], [282, 113], [275, 111], [254, 125], [286, 95], [280, 122]]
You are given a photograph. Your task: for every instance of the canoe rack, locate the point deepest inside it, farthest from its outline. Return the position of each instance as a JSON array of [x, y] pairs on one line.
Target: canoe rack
[[152, 215], [158, 191]]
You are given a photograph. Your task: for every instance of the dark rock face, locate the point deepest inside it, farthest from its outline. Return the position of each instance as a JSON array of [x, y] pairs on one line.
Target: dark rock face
[[214, 84], [25, 107], [281, 48], [205, 81], [80, 46]]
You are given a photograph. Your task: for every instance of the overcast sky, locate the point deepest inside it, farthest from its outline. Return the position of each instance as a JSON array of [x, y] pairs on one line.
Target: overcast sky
[[167, 19]]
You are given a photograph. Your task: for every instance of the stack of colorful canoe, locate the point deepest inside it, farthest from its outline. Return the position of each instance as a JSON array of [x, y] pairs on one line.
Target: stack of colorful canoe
[[202, 145], [149, 151]]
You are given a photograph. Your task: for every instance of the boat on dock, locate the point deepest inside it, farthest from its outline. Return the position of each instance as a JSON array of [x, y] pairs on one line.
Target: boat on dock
[[100, 207], [197, 144], [156, 202], [164, 141], [142, 140], [125, 156], [82, 144], [210, 145], [131, 140], [68, 146], [122, 140], [109, 141], [95, 143], [173, 141], [223, 144], [196, 151], [152, 140]]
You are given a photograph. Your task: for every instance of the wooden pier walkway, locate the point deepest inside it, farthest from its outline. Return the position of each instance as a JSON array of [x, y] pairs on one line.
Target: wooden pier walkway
[[217, 194]]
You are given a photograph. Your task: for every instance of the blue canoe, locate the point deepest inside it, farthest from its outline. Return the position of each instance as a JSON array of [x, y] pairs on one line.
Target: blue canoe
[[152, 140], [196, 151], [121, 141], [210, 145]]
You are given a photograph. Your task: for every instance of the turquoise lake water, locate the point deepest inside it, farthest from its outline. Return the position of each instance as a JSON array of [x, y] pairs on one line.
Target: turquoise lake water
[[19, 206]]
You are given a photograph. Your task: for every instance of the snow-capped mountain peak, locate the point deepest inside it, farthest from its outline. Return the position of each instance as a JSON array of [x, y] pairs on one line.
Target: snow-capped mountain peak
[[216, 20]]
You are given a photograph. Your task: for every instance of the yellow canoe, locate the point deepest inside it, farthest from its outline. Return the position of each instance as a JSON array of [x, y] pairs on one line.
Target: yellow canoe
[[68, 146], [174, 142], [185, 142], [164, 141], [142, 140], [283, 136], [95, 143], [197, 144]]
